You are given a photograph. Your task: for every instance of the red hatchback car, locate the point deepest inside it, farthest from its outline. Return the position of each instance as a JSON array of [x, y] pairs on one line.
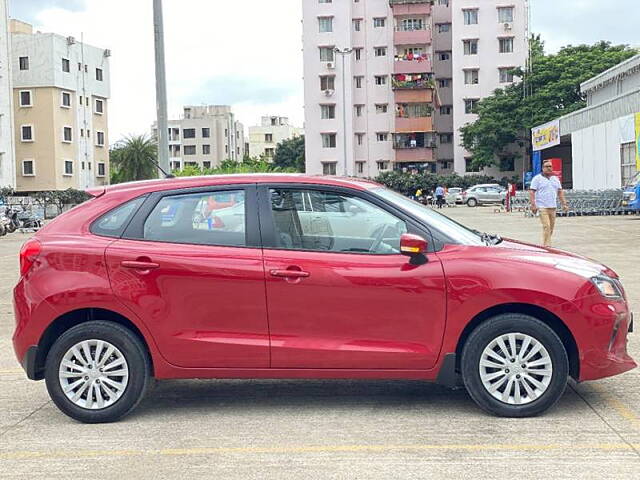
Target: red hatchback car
[[293, 276]]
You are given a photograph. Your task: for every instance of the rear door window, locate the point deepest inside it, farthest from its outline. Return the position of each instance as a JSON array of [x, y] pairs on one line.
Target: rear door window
[[211, 218]]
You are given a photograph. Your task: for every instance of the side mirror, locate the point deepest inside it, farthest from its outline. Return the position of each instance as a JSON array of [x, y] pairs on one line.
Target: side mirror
[[412, 245]]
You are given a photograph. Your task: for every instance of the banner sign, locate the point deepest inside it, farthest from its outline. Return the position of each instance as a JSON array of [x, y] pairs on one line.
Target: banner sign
[[546, 136]]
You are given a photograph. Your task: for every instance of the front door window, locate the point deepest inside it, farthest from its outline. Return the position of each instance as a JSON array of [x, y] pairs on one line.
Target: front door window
[[327, 221]]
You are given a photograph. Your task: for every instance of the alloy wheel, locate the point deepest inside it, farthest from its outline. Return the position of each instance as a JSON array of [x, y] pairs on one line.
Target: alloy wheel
[[93, 374], [515, 368]]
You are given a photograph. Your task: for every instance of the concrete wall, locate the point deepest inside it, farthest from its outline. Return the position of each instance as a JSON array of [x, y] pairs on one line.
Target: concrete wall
[[596, 153], [7, 155]]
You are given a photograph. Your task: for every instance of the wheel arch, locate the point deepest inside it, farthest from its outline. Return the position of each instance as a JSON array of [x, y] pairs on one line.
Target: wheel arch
[[76, 317], [540, 313]]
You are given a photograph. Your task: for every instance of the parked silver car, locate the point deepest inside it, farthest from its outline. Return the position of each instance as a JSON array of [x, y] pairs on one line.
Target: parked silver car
[[484, 194]]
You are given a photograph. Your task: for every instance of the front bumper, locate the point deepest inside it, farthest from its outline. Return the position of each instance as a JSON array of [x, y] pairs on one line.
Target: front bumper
[[605, 355]]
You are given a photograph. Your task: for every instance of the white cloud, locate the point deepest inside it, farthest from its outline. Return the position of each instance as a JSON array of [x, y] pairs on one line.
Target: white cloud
[[209, 44]]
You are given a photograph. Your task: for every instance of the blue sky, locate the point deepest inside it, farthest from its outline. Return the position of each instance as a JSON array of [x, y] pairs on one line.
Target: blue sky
[[253, 62]]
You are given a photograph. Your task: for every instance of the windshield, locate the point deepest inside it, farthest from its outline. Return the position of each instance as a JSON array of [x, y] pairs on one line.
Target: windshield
[[456, 232]]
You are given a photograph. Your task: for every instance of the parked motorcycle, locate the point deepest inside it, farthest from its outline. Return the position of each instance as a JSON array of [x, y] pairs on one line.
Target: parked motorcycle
[[4, 224], [28, 221], [14, 223]]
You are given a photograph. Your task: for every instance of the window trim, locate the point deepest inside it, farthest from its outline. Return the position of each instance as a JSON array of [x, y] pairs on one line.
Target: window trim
[[95, 106], [135, 229], [98, 144], [64, 127], [104, 164], [267, 226], [33, 164], [20, 92], [62, 94], [64, 168], [33, 133]]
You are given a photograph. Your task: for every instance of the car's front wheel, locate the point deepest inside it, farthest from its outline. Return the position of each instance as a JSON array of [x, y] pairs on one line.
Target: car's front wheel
[[514, 365], [472, 202], [97, 372]]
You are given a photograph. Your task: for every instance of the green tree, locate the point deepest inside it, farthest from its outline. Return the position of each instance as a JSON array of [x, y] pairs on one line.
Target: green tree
[[229, 167], [551, 89], [290, 154], [133, 159]]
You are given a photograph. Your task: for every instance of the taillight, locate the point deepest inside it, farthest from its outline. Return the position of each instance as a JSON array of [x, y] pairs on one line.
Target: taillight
[[28, 254]]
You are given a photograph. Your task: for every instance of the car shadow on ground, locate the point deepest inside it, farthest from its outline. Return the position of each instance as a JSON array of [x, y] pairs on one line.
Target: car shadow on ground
[[183, 397]]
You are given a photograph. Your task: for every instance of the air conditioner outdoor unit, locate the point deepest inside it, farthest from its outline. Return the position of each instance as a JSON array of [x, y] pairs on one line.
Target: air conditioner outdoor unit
[[71, 40], [330, 65], [329, 93], [107, 53], [508, 26]]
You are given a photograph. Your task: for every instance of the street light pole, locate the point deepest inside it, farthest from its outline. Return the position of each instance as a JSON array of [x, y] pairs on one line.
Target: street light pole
[[343, 53], [161, 88]]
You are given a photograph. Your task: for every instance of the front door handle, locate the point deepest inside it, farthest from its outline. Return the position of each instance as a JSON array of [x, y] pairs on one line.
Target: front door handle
[[289, 273], [136, 265]]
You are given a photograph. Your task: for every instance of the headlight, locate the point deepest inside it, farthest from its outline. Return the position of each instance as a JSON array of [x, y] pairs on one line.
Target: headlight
[[632, 197], [608, 288]]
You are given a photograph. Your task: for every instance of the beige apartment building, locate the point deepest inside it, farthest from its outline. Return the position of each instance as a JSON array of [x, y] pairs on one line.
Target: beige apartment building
[[60, 99], [272, 130], [204, 136]]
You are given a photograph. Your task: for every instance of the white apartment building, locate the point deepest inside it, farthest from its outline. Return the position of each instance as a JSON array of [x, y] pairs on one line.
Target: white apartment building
[[368, 86], [489, 38], [60, 96], [380, 110], [204, 136], [7, 158], [272, 130]]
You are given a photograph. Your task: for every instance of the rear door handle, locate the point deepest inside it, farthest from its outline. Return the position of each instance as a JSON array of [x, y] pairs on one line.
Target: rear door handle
[[289, 273], [139, 265]]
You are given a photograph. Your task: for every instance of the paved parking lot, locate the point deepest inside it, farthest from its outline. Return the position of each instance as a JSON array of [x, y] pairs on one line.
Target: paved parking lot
[[337, 429]]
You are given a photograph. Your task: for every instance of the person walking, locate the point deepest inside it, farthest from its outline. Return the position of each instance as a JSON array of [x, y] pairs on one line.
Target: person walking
[[543, 196], [439, 196]]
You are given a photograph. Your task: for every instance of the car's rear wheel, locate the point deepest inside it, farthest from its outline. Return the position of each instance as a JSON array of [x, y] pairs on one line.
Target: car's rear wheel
[[472, 202], [97, 372], [514, 365]]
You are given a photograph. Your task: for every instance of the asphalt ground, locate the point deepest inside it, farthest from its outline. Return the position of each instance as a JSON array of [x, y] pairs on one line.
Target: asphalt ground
[[285, 429]]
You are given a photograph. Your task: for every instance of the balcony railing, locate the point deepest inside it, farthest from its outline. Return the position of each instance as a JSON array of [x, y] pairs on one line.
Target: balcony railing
[[409, 2], [412, 82], [410, 141]]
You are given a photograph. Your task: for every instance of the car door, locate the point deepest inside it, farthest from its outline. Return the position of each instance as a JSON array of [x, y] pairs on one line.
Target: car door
[[347, 300], [190, 266], [493, 195]]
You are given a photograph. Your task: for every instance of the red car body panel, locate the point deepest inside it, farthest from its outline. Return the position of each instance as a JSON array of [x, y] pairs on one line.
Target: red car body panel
[[218, 312], [355, 311], [206, 305]]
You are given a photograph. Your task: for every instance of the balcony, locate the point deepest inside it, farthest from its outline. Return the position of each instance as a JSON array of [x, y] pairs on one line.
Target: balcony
[[411, 141], [415, 155], [413, 96], [419, 81], [410, 7], [412, 37], [411, 64], [412, 118]]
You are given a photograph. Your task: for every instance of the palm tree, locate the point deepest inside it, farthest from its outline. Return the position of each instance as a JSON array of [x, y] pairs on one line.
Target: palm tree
[[133, 159]]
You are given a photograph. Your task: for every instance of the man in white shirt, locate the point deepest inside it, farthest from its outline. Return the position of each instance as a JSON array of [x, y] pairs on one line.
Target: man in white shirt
[[543, 195]]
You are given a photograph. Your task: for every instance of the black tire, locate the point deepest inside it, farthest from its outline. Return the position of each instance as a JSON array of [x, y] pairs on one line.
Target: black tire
[[484, 334], [504, 202], [131, 348], [472, 202]]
